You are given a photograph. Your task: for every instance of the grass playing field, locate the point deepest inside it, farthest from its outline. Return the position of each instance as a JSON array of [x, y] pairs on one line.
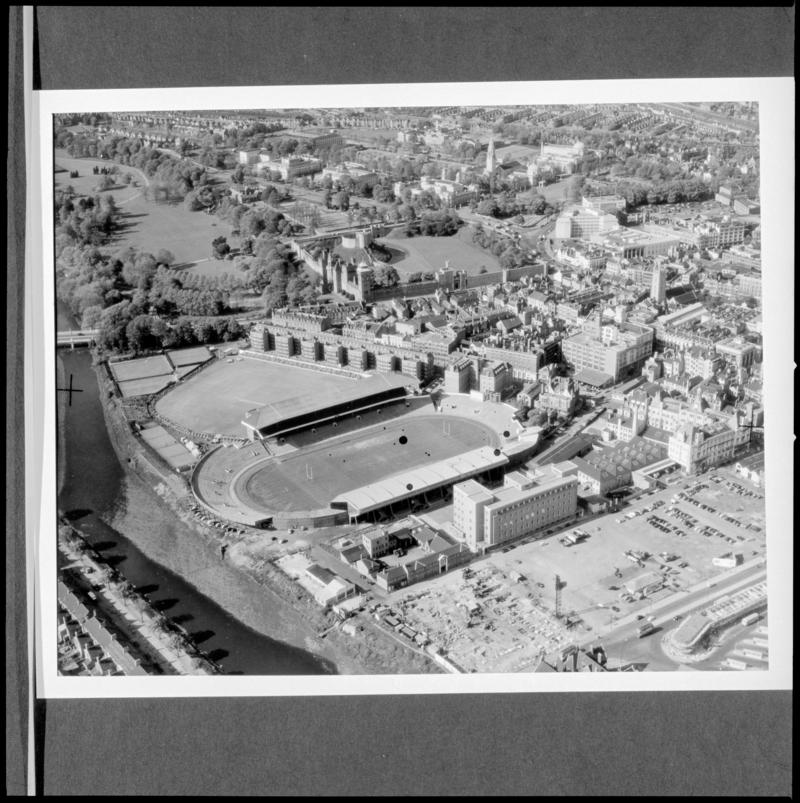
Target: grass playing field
[[429, 254], [309, 478], [216, 400]]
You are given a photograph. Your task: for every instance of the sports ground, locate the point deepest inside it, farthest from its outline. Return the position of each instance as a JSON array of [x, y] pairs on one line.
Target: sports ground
[[216, 399], [309, 478]]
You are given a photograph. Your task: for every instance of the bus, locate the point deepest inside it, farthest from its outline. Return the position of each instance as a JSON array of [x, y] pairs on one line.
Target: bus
[[645, 629]]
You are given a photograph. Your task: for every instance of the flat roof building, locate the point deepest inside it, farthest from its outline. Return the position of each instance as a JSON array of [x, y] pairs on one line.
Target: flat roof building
[[524, 505], [619, 351]]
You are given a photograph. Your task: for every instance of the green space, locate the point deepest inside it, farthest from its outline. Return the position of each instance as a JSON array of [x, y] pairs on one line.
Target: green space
[[147, 225], [429, 254]]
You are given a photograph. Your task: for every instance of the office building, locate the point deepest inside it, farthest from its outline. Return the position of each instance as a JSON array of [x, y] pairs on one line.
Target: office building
[[618, 351], [524, 505]]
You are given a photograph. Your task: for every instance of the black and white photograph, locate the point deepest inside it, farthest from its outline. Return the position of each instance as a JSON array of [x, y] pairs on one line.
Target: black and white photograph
[[400, 401], [404, 390]]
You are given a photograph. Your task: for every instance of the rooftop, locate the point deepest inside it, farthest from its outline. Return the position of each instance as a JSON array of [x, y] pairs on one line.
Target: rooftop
[[275, 412], [417, 480]]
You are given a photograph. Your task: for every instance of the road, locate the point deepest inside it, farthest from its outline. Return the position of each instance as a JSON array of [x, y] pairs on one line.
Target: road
[[621, 637]]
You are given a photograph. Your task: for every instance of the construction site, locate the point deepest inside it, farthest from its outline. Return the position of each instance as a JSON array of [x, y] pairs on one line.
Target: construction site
[[486, 619], [524, 602]]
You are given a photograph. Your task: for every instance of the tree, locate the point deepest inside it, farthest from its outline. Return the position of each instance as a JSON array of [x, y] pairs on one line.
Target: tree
[[105, 182], [165, 257], [341, 200], [113, 325], [91, 317], [140, 335], [219, 247], [386, 276], [488, 206]]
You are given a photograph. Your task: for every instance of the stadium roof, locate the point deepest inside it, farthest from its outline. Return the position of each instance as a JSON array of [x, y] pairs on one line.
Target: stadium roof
[[275, 412], [418, 480]]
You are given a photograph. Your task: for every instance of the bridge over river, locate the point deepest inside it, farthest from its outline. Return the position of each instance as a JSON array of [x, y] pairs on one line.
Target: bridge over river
[[76, 337]]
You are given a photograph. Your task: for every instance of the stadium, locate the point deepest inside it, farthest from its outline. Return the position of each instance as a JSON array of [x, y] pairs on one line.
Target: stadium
[[349, 450]]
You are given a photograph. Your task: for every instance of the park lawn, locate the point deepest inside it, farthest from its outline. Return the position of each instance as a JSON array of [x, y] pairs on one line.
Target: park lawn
[[152, 226], [188, 235], [86, 181], [429, 254]]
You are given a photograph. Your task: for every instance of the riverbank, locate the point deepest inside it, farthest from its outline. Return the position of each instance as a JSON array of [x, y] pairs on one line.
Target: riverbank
[[150, 514], [151, 634], [61, 409]]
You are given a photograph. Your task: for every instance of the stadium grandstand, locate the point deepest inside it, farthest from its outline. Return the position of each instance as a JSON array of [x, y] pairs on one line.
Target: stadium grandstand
[[418, 481], [290, 415]]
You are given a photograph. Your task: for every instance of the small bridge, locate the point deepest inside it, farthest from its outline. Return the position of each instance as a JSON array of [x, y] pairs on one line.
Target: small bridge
[[76, 337]]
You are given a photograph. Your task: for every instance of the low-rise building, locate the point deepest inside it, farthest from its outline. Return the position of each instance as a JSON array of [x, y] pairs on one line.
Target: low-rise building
[[559, 394], [608, 469]]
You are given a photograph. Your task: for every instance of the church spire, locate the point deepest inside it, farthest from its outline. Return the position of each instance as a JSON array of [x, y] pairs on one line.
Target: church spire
[[490, 160]]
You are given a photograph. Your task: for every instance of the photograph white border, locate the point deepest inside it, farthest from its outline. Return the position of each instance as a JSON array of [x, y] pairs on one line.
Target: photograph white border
[[775, 97]]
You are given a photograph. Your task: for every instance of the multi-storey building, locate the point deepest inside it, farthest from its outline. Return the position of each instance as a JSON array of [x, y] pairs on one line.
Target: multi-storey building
[[494, 379], [555, 159], [289, 167], [705, 233], [698, 448], [458, 376], [638, 243], [619, 351], [701, 362], [521, 507], [469, 500], [524, 363], [584, 221], [664, 413], [738, 352]]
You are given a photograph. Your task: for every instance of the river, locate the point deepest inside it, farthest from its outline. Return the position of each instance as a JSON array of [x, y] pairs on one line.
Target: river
[[92, 482]]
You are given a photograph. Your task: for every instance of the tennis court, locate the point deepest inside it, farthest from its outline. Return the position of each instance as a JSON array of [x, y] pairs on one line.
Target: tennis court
[[190, 356], [145, 386], [140, 368], [174, 452]]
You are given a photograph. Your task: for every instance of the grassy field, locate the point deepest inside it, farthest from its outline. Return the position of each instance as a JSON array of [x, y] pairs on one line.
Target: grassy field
[[148, 225], [429, 254], [86, 182], [310, 478], [216, 400]]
